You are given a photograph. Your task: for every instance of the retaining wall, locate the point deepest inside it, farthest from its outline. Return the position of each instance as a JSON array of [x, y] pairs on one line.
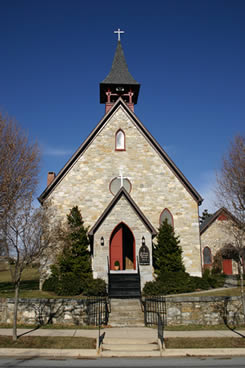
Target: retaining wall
[[44, 311], [179, 311], [203, 310]]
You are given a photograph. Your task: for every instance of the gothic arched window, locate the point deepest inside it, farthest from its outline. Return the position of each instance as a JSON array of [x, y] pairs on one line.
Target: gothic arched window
[[207, 256], [166, 215], [120, 144]]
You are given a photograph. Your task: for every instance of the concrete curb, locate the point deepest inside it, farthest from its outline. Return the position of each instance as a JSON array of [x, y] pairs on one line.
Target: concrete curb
[[58, 353], [92, 353]]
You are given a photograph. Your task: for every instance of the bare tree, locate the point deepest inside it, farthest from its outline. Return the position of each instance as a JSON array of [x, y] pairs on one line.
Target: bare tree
[[21, 225], [19, 165], [231, 195], [231, 179], [26, 238]]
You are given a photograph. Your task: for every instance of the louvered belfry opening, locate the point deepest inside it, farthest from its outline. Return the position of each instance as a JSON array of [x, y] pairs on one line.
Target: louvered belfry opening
[[119, 83]]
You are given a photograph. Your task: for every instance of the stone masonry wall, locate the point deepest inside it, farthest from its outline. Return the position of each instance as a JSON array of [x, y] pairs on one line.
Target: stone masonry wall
[[44, 311], [203, 311], [179, 311], [154, 185]]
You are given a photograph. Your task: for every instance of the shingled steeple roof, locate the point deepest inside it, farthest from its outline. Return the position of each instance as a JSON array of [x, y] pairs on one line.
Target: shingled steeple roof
[[119, 76], [119, 73]]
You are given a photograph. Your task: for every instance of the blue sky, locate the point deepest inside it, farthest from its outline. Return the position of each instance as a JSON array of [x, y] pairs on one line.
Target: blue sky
[[189, 57]]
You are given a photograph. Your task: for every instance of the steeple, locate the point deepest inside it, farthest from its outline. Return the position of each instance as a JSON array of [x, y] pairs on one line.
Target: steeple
[[119, 83]]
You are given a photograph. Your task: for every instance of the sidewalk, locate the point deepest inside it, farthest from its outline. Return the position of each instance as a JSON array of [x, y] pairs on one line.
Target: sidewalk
[[120, 333]]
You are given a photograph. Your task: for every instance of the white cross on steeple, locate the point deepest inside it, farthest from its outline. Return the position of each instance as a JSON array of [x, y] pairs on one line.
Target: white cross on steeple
[[119, 32]]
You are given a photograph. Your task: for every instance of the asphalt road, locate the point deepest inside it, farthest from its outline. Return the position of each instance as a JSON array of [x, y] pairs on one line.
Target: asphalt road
[[121, 363]]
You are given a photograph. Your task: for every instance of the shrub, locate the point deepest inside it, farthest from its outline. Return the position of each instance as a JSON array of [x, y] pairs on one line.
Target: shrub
[[50, 284], [96, 287], [170, 283], [181, 282]]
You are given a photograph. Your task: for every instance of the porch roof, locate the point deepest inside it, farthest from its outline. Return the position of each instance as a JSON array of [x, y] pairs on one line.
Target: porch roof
[[122, 192]]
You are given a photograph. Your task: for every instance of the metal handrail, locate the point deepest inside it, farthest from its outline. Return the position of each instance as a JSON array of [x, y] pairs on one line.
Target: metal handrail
[[107, 310], [138, 270], [154, 309], [160, 330]]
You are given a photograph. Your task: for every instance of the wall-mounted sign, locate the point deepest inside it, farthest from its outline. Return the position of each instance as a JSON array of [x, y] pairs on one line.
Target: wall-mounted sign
[[144, 255]]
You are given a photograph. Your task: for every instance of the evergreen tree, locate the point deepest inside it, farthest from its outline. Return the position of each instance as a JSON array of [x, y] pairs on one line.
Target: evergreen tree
[[167, 254], [205, 215], [73, 269]]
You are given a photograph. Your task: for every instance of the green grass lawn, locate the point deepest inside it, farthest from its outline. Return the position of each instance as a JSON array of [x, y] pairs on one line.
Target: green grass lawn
[[204, 343], [30, 287], [48, 342], [224, 292]]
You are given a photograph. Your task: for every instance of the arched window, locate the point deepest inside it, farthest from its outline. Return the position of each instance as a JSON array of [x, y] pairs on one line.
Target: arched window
[[207, 256], [117, 183], [166, 215], [120, 141]]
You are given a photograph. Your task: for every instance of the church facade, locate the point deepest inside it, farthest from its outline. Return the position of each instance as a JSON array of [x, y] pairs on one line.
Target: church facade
[[125, 185]]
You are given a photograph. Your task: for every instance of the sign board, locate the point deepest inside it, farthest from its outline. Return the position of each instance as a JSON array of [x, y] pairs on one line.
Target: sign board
[[144, 255]]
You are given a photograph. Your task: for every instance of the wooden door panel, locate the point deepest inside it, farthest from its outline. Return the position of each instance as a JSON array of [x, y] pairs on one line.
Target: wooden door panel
[[227, 266], [116, 248]]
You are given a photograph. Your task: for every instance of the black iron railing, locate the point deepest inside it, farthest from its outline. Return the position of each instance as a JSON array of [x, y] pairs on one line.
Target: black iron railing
[[155, 314], [154, 305], [160, 330], [138, 270], [98, 309]]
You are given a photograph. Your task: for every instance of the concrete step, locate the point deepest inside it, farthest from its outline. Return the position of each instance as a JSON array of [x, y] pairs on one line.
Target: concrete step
[[125, 347], [133, 341], [135, 354], [130, 347]]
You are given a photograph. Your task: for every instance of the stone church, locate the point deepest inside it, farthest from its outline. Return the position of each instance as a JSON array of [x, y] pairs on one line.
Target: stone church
[[125, 185]]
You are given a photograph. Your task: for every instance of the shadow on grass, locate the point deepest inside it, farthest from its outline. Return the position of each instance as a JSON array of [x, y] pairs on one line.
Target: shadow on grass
[[27, 332], [25, 285]]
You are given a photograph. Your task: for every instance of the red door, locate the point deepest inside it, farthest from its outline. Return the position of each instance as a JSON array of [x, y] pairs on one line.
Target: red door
[[227, 266], [116, 247]]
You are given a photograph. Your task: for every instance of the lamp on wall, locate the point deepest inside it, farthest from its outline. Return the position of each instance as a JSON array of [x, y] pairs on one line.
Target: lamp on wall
[[102, 241], [143, 240]]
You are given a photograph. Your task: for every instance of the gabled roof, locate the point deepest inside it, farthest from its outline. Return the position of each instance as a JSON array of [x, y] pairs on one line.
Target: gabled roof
[[119, 76], [143, 131], [210, 220], [122, 193]]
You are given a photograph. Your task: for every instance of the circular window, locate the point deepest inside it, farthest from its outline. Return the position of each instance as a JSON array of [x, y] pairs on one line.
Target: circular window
[[117, 183]]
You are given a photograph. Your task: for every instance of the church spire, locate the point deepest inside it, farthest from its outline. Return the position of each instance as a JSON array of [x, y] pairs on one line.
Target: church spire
[[119, 82]]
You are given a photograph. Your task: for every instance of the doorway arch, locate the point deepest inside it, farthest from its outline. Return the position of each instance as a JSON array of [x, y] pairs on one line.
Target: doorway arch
[[122, 247]]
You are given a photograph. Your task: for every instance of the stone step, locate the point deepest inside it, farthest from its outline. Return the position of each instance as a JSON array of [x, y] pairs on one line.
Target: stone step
[[121, 303], [126, 324], [130, 319], [126, 312]]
